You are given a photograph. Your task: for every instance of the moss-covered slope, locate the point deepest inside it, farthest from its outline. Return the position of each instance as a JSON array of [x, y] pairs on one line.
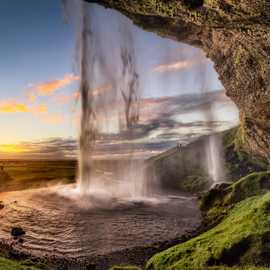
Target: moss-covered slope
[[217, 202], [241, 238]]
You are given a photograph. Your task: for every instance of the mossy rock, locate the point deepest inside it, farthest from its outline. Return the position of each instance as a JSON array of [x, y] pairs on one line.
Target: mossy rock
[[236, 268], [238, 162], [242, 238], [6, 264], [217, 202], [194, 183]]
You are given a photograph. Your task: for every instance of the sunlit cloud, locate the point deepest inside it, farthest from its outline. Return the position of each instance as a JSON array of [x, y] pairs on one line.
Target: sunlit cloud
[[51, 87], [180, 65], [166, 121], [55, 148], [40, 109], [12, 148], [31, 97], [75, 95], [13, 107]]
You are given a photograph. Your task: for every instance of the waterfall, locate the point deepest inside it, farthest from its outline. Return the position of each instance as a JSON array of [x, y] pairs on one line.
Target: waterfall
[[214, 158], [109, 93], [213, 144], [88, 115]]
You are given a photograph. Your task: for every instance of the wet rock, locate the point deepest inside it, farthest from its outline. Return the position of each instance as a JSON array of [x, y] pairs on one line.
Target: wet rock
[[221, 186], [17, 232]]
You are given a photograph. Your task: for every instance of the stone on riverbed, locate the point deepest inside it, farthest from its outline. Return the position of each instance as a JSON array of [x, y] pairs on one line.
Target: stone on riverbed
[[17, 232]]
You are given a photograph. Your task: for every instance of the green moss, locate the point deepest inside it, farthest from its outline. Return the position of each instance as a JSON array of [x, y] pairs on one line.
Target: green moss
[[229, 137], [236, 268], [235, 138], [238, 162], [6, 264], [241, 238], [216, 203], [251, 185], [194, 183]]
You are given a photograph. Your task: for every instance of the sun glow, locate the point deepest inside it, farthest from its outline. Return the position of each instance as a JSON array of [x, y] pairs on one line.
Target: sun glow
[[12, 148]]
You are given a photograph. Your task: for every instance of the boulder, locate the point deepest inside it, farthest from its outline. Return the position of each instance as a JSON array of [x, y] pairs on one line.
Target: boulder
[[17, 232]]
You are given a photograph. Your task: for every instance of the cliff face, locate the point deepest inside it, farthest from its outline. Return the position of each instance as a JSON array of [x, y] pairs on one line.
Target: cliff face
[[235, 36]]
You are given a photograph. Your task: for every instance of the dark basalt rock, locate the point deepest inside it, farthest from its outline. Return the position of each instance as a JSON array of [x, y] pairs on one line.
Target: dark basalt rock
[[221, 186], [17, 232]]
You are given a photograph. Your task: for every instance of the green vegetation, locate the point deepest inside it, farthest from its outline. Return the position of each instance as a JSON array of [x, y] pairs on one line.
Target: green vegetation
[[216, 203], [238, 162], [6, 264], [241, 238], [235, 268], [194, 183], [253, 184], [35, 174]]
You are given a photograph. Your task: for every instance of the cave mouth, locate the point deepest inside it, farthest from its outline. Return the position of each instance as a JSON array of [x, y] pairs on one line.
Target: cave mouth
[[170, 74], [173, 87], [194, 4]]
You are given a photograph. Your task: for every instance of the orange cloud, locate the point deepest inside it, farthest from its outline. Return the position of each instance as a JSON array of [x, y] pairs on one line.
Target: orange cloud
[[40, 109], [62, 99], [174, 66], [13, 107], [49, 88], [31, 97]]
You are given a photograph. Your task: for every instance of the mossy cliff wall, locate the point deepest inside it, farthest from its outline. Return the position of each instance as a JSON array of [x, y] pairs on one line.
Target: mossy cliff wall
[[235, 35]]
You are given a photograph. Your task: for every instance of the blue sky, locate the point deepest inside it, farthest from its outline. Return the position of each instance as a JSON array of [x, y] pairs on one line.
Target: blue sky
[[37, 55]]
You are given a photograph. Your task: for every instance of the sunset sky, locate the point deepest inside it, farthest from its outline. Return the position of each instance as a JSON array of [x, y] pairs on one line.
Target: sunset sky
[[39, 84]]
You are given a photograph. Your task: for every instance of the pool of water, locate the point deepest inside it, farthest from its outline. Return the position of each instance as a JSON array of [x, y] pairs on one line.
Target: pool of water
[[59, 223]]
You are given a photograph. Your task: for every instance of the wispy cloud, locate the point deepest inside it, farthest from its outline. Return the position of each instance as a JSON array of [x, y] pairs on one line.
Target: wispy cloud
[[31, 97], [179, 65], [48, 88], [166, 121], [40, 109]]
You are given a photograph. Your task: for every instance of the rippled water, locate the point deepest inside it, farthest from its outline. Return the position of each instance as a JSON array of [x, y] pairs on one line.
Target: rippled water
[[60, 223]]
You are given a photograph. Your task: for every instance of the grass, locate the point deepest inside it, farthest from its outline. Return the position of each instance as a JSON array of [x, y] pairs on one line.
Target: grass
[[6, 264], [242, 238], [236, 268], [35, 174]]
